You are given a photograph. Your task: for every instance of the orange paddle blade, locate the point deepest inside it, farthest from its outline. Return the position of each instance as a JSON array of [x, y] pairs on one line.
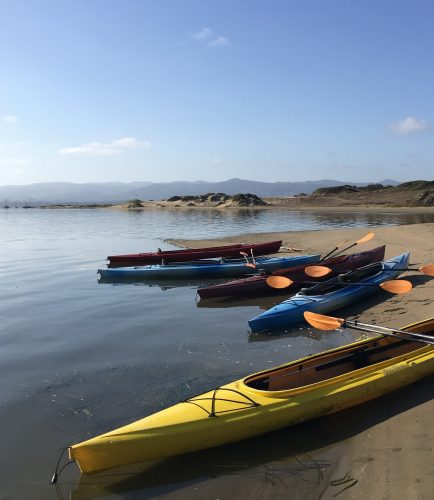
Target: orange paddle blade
[[250, 265], [427, 269], [397, 286], [279, 282], [317, 271], [322, 322], [366, 238]]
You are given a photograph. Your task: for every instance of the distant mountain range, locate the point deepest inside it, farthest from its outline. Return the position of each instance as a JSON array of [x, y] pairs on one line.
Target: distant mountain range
[[118, 192]]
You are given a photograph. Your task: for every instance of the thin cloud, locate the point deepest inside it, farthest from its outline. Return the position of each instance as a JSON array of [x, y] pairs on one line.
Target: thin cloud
[[105, 148], [206, 36], [13, 145], [409, 125], [130, 142], [219, 41], [16, 161], [9, 119], [202, 35]]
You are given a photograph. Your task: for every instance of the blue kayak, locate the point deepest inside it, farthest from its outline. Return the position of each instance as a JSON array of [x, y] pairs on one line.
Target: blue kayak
[[206, 269], [331, 294]]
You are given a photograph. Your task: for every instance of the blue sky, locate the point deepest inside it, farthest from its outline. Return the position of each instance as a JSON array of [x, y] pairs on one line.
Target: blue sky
[[166, 90]]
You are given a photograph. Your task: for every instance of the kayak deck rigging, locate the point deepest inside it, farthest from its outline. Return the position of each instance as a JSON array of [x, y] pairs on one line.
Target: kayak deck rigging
[[248, 403]]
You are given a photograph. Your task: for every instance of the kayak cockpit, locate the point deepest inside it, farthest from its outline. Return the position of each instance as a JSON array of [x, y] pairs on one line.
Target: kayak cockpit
[[343, 361], [350, 277]]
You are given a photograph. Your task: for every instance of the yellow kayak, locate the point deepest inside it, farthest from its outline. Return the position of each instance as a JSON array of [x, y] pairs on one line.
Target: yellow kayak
[[304, 389]]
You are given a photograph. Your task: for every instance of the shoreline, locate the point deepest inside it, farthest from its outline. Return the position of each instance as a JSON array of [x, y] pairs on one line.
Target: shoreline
[[272, 205], [391, 457], [298, 207], [418, 238], [317, 208]]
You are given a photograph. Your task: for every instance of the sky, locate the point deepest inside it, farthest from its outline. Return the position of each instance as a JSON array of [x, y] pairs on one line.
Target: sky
[[164, 90]]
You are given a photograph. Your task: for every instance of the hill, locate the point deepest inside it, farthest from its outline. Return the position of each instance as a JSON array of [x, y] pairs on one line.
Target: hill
[[408, 194], [119, 192]]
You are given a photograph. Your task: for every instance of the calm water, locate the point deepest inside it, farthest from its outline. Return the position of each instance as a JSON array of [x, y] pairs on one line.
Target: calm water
[[78, 358]]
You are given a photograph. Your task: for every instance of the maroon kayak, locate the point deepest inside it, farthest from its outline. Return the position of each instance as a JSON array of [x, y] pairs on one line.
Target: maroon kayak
[[258, 284], [187, 254]]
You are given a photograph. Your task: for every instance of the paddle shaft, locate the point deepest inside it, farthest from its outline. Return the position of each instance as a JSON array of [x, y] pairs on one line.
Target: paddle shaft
[[345, 249], [334, 283], [365, 238], [382, 330], [329, 254], [385, 270]]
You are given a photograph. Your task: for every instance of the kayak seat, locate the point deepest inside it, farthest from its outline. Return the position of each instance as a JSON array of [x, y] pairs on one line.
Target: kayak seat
[[319, 289], [262, 384], [362, 273], [334, 284], [361, 359]]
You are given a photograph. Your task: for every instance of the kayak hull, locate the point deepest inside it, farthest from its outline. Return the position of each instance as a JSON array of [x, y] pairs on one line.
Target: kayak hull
[[141, 259], [205, 270], [241, 409], [290, 312], [257, 285]]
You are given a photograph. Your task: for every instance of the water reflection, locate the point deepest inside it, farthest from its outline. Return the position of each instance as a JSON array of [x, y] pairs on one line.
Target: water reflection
[[213, 223], [263, 302], [300, 459], [286, 457], [148, 228], [163, 284], [281, 333]]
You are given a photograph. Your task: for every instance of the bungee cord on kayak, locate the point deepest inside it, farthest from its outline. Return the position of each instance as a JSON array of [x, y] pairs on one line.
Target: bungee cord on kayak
[[250, 403]]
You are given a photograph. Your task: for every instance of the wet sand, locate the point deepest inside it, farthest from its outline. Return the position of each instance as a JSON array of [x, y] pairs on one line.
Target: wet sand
[[390, 454]]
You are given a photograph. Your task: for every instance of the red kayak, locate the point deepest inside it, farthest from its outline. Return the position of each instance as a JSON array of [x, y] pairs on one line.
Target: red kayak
[[187, 254], [258, 284]]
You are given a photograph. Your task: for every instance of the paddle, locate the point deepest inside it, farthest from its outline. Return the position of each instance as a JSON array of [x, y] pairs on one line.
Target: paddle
[[393, 286], [334, 250], [322, 322], [279, 282], [319, 271], [365, 238]]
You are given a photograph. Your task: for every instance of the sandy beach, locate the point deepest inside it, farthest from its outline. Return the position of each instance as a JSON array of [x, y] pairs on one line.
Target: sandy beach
[[390, 454]]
